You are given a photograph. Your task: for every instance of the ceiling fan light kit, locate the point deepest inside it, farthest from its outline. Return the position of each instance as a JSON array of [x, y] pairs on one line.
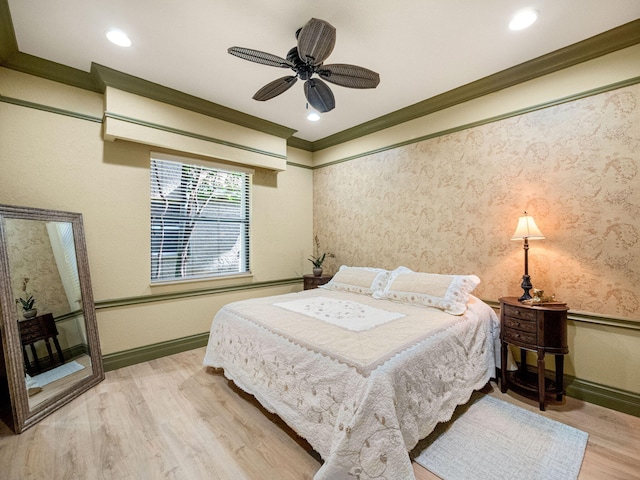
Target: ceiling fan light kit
[[315, 43]]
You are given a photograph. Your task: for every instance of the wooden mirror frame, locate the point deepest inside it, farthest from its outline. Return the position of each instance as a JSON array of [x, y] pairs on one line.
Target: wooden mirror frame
[[24, 416]]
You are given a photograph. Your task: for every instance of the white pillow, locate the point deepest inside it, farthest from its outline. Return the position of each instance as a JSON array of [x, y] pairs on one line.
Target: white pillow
[[363, 280], [446, 292]]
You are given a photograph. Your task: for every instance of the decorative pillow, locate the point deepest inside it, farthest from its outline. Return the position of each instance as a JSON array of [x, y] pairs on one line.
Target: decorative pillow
[[446, 292], [363, 280]]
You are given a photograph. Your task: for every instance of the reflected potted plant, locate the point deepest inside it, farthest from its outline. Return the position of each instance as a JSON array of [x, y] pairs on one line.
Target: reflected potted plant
[[27, 301], [318, 259]]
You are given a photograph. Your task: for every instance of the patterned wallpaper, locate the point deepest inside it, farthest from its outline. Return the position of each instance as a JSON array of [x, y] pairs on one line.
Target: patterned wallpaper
[[450, 204], [30, 256]]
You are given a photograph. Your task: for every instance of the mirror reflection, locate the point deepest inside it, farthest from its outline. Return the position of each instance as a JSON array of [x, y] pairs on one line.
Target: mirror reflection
[[49, 345], [46, 285]]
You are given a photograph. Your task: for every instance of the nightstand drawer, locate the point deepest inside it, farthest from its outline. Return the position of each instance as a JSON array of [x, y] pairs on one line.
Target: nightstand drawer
[[541, 329], [520, 337], [521, 324], [524, 313], [314, 281]]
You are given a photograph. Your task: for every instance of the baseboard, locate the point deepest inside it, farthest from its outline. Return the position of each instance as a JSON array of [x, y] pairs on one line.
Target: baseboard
[[609, 397], [125, 358], [603, 395], [613, 398]]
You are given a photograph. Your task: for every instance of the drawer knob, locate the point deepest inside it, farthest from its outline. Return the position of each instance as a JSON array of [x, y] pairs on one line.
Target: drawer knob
[[517, 312]]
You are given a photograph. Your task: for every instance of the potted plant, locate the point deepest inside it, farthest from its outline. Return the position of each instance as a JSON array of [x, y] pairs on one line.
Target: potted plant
[[27, 301], [318, 259]]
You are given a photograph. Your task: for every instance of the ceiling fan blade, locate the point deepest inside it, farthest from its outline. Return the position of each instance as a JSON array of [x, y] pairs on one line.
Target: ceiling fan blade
[[319, 95], [316, 41], [275, 88], [350, 76], [260, 57]]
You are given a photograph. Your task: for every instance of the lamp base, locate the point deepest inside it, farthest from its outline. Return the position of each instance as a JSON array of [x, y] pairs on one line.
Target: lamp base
[[526, 286]]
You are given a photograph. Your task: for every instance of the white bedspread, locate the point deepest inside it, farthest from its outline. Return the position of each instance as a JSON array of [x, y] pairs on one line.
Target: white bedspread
[[362, 397], [347, 314]]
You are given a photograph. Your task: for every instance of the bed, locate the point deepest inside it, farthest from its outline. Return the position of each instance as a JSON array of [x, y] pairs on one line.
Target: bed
[[363, 367]]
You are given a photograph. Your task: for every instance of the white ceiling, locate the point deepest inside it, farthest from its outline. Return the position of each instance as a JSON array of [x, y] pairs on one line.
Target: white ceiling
[[420, 48]]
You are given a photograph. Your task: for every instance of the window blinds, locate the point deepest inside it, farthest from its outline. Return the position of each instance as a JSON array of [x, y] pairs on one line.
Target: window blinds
[[199, 221]]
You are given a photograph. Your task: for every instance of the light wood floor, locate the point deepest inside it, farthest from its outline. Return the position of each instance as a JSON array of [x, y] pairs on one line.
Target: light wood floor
[[169, 418]]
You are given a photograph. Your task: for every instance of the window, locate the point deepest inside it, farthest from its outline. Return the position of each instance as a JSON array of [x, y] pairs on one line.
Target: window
[[199, 220], [64, 252]]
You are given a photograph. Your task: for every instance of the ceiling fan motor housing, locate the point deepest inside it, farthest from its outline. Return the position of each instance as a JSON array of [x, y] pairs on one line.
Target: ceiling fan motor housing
[[303, 69], [316, 41]]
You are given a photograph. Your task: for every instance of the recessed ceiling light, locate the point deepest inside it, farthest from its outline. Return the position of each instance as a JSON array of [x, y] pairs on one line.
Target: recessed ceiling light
[[119, 38], [313, 116], [523, 19]]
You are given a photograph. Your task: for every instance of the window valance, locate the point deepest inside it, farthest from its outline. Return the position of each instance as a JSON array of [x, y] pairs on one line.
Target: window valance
[[138, 119]]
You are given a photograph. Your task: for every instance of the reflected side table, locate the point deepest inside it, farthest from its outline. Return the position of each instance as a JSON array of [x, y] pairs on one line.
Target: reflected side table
[[43, 328]]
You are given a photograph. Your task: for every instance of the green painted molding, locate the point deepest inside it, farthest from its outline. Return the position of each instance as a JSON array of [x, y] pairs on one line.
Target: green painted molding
[[580, 317], [163, 297], [90, 118], [609, 397], [12, 58], [606, 320], [616, 39], [8, 42], [149, 352], [56, 72], [185, 133], [585, 317], [113, 361], [47, 108], [101, 76], [299, 165], [459, 128], [108, 77], [296, 142]]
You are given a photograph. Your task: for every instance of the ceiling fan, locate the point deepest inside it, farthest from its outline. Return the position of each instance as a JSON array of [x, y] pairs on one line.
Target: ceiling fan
[[316, 40]]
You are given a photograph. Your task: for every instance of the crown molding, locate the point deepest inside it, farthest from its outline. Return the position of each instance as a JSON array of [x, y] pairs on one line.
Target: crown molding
[[100, 76], [108, 77], [484, 121], [8, 43], [300, 143], [610, 41]]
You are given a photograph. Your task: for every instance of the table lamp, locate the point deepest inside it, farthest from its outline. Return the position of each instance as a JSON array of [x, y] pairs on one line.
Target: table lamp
[[526, 230]]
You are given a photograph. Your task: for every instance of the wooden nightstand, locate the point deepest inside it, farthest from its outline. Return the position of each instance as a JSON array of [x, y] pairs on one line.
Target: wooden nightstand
[[312, 281], [541, 329], [43, 328]]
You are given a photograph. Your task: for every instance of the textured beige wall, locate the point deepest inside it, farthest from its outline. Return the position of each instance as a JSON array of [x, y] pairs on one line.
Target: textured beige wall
[[450, 204], [55, 161], [69, 167], [602, 71]]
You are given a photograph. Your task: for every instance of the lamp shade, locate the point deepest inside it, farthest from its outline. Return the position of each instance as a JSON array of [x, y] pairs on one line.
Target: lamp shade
[[527, 228]]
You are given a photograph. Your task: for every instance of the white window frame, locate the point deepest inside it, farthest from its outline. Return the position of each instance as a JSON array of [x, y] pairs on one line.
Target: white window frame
[[200, 219]]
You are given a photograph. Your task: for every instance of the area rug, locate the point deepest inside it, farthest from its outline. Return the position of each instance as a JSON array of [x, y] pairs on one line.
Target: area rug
[[494, 439], [57, 373]]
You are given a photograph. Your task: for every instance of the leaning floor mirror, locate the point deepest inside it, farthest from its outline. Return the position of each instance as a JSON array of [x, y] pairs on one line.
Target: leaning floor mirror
[[51, 352]]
